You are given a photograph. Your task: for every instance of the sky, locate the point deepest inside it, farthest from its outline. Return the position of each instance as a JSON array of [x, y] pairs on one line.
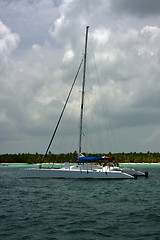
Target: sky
[[41, 47]]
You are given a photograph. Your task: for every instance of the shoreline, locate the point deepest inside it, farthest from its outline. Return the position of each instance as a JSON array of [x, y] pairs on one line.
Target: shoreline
[[140, 163], [3, 164]]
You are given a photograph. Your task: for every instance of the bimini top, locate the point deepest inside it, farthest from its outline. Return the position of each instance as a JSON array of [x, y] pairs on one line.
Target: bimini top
[[84, 159]]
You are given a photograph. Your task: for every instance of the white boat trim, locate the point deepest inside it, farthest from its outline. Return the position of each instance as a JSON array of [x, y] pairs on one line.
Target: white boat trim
[[84, 171]]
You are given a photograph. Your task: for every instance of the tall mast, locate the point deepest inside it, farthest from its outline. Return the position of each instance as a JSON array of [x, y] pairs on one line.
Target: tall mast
[[83, 86]]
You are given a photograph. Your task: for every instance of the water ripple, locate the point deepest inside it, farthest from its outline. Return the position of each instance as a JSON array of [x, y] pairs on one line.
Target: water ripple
[[71, 209]]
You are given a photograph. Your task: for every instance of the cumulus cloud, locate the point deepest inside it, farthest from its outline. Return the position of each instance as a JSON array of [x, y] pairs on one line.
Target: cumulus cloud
[[29, 19], [8, 40], [122, 72], [130, 68]]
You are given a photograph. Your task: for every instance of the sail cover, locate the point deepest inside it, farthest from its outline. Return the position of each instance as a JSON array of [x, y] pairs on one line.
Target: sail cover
[[90, 159], [84, 159]]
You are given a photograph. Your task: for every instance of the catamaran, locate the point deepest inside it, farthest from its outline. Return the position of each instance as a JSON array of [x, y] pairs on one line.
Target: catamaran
[[87, 167]]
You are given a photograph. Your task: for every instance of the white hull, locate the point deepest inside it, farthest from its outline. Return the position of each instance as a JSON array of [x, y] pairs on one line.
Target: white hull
[[134, 172], [76, 172]]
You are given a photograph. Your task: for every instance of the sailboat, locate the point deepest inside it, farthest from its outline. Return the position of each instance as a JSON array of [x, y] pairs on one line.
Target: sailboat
[[87, 167]]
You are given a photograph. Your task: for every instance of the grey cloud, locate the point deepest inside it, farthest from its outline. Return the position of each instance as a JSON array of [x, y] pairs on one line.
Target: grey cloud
[[135, 117], [30, 19], [36, 76], [139, 8]]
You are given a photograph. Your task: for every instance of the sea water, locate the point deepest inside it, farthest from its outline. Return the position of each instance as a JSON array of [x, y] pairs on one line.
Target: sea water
[[36, 209]]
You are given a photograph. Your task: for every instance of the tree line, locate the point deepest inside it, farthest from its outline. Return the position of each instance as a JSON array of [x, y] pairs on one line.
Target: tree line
[[72, 157]]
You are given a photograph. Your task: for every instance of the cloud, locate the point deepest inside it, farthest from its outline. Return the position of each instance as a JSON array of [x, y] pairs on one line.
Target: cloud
[[30, 19], [129, 78], [8, 40], [43, 43], [153, 137], [139, 8]]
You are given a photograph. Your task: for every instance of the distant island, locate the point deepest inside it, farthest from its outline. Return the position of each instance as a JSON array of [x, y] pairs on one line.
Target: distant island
[[72, 157]]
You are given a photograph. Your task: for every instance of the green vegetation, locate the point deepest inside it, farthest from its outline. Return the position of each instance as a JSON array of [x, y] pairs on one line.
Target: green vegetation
[[72, 157]]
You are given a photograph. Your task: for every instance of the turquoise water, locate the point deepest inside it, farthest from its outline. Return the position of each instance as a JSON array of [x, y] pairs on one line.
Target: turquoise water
[[79, 209], [29, 165]]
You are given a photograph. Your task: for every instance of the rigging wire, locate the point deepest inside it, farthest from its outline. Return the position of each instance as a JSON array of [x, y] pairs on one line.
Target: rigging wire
[[54, 133], [95, 118], [70, 126], [105, 109]]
